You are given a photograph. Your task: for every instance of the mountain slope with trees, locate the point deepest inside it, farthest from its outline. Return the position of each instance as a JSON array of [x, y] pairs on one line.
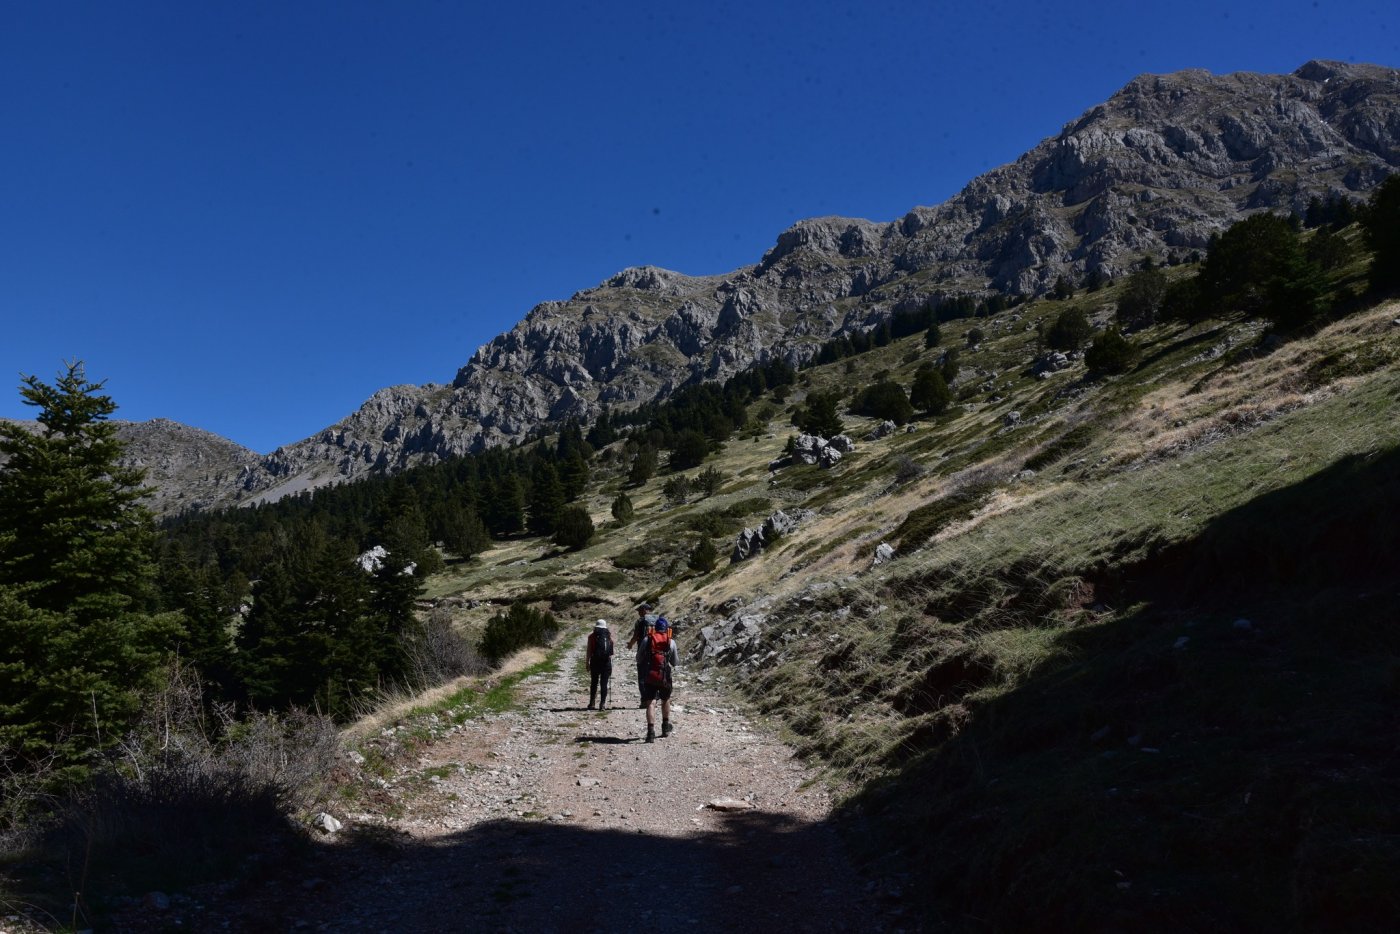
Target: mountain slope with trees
[[1158, 169], [1102, 638]]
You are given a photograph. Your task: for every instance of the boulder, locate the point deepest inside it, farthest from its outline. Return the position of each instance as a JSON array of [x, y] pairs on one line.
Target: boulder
[[882, 430]]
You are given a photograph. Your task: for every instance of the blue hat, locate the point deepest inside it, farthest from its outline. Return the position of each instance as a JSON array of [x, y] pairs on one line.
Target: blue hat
[[662, 625]]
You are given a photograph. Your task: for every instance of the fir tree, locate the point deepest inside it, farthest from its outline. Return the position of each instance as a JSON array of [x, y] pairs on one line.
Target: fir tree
[[546, 499], [930, 392], [622, 509], [643, 467], [80, 635], [703, 556], [1381, 222], [575, 528]]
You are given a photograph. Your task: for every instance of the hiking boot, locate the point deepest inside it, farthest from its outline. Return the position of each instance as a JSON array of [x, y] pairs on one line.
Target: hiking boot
[[665, 728], [590, 707], [651, 735]]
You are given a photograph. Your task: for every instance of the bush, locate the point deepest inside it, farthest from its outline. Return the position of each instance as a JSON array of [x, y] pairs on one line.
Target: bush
[[192, 794], [638, 558], [515, 629], [436, 652], [927, 521], [708, 482], [1183, 301]]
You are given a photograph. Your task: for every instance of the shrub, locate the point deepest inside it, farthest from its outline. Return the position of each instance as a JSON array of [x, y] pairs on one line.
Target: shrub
[[1183, 301], [515, 629], [927, 521], [708, 481], [637, 558], [436, 651]]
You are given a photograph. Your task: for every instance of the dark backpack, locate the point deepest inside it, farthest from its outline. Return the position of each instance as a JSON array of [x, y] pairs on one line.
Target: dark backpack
[[602, 646], [659, 659]]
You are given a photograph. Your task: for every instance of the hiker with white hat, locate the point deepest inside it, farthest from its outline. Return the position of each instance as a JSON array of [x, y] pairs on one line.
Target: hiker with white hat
[[598, 660]]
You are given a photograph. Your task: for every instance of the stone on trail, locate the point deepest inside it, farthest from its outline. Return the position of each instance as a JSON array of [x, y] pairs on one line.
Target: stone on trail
[[326, 824], [730, 804]]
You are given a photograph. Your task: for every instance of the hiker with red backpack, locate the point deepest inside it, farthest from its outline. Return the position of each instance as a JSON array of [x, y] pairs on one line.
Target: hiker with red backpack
[[597, 660], [645, 620], [661, 659]]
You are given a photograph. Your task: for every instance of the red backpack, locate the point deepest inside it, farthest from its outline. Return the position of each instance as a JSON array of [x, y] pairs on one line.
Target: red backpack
[[659, 659]]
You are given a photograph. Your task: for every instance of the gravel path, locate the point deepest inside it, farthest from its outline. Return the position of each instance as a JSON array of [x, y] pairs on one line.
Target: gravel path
[[557, 818]]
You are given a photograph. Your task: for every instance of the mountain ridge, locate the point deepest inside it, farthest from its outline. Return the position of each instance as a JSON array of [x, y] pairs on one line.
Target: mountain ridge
[[1163, 164]]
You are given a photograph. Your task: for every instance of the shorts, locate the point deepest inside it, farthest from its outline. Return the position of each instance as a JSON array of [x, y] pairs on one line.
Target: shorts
[[651, 692]]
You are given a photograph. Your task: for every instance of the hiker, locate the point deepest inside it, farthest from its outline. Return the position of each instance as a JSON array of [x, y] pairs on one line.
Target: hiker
[[645, 620], [661, 660], [597, 660]]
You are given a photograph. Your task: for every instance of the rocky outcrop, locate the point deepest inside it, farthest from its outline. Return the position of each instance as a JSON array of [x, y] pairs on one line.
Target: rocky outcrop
[[1157, 169], [753, 541]]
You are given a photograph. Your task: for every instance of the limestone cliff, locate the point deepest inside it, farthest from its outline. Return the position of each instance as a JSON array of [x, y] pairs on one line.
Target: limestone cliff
[[1158, 168]]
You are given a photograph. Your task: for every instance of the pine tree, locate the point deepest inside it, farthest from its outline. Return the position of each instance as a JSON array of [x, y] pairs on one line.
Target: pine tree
[[643, 467], [546, 499], [575, 528], [818, 415], [80, 635], [1381, 222], [703, 557], [622, 509], [930, 392]]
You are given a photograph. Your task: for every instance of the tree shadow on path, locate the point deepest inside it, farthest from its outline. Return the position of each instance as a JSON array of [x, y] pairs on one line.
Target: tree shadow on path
[[754, 869]]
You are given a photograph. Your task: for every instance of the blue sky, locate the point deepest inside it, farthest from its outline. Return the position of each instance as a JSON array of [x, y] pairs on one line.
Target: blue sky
[[250, 216]]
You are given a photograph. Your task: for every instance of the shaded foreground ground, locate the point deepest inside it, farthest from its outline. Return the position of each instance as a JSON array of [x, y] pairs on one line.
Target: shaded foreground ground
[[556, 818]]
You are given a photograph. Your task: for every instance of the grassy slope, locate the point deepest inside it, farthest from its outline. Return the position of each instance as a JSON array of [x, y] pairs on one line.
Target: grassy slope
[[1149, 686]]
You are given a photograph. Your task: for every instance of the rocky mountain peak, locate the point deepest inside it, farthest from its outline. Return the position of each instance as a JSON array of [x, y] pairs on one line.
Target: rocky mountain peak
[[1156, 169]]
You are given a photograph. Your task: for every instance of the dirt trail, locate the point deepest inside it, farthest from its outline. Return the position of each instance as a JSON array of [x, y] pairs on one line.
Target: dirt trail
[[557, 818]]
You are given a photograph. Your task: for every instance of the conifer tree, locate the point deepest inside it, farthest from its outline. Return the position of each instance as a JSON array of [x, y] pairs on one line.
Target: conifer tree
[[622, 509], [643, 466], [1381, 222], [546, 499], [703, 556], [80, 635], [930, 392], [575, 528]]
